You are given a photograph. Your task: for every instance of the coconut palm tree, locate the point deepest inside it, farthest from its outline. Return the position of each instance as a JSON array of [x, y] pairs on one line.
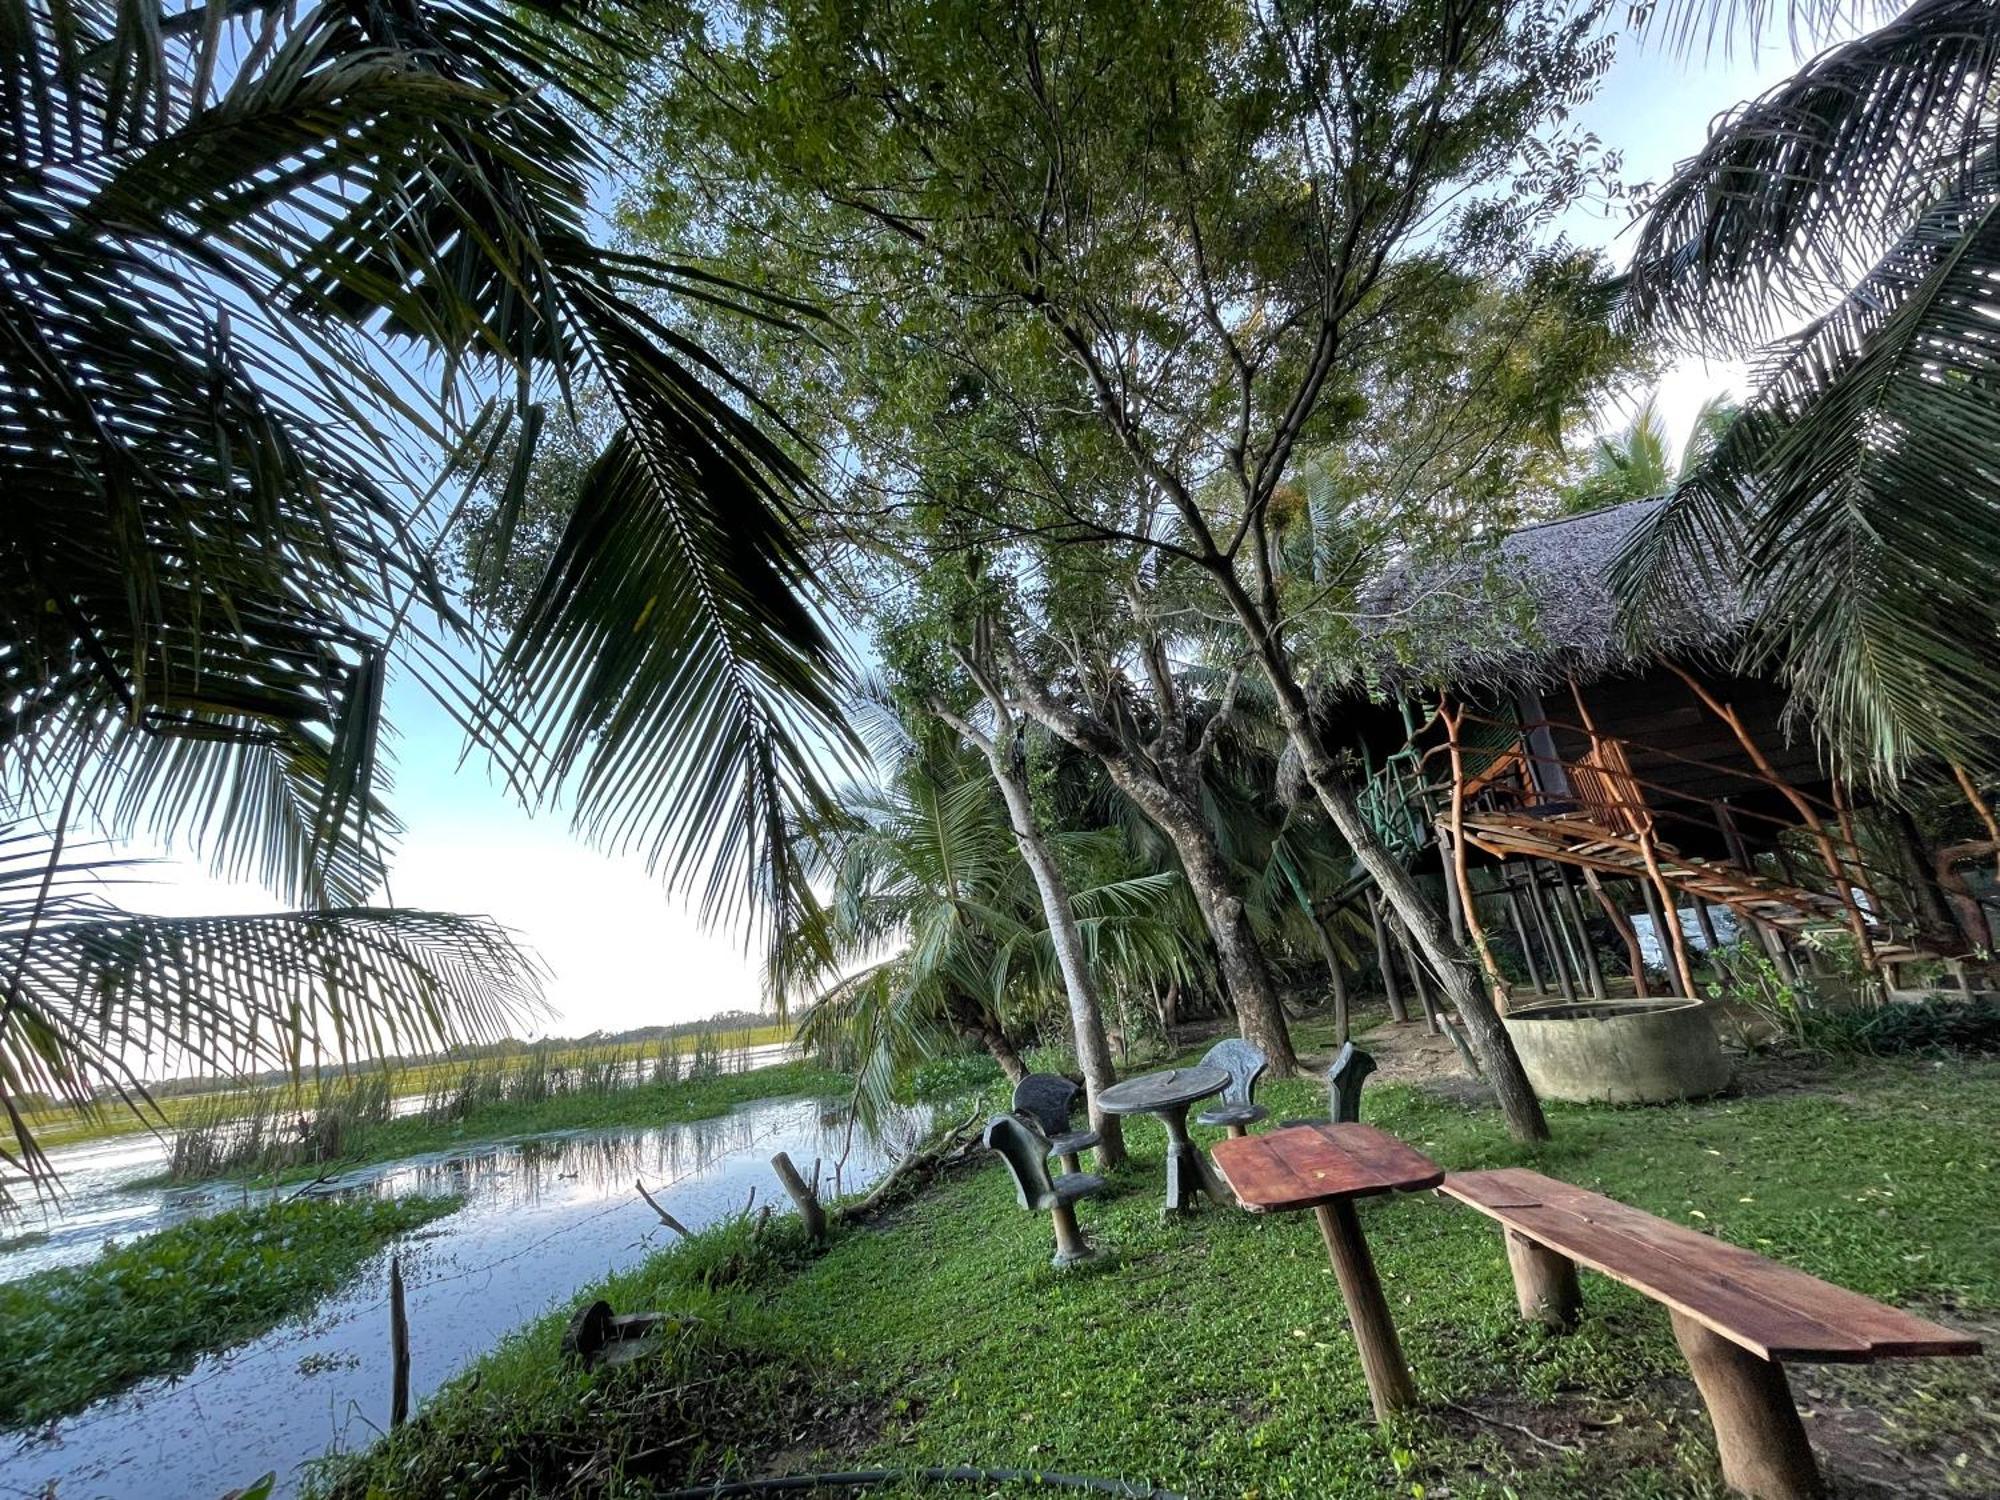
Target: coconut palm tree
[[1634, 464], [933, 930], [264, 269], [1859, 488]]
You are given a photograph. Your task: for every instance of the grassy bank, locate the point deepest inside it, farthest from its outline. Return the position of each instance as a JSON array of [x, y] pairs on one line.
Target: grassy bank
[[174, 1111], [151, 1307], [1213, 1356], [461, 1115]]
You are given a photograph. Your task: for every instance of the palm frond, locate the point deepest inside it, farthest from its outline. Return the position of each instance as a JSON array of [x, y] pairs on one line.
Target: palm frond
[[1800, 188], [1854, 496], [90, 994]]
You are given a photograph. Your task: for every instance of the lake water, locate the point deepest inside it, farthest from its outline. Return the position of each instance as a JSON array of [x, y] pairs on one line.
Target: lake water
[[542, 1217]]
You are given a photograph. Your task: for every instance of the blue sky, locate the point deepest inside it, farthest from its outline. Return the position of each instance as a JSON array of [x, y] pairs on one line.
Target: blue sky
[[621, 951]]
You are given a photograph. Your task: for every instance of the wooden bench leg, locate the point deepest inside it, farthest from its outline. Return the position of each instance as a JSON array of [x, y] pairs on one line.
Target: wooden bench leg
[[1758, 1434], [1071, 1246], [1544, 1282], [1390, 1387]]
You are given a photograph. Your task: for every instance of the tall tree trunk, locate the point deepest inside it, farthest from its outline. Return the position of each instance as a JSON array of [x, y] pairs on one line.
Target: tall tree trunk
[[1165, 786], [1454, 967], [1245, 975], [1093, 1047]]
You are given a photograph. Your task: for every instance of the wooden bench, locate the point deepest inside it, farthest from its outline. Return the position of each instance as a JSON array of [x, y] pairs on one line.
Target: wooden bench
[[1739, 1318]]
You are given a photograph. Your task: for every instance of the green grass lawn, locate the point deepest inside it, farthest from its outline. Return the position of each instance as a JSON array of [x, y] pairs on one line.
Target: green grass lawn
[[1212, 1356], [153, 1306]]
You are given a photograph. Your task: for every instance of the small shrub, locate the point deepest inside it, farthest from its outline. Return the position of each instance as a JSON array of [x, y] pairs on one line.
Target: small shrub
[[954, 1077], [1942, 1024]]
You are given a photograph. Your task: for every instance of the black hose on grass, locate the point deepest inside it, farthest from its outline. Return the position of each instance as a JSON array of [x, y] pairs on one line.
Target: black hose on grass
[[963, 1474]]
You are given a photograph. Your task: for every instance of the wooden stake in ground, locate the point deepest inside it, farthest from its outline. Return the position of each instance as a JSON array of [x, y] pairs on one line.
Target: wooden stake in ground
[[805, 1195], [399, 1348]]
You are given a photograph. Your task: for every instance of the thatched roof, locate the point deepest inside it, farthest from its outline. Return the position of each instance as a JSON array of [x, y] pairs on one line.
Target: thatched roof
[[1530, 611]]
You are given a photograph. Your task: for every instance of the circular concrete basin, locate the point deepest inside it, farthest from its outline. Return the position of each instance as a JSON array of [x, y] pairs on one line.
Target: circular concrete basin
[[1619, 1051]]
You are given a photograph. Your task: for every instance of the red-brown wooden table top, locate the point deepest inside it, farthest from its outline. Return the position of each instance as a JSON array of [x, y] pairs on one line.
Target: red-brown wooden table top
[[1304, 1166]]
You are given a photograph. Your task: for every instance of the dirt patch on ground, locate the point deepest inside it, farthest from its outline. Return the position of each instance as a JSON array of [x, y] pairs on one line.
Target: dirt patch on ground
[[1866, 1423]]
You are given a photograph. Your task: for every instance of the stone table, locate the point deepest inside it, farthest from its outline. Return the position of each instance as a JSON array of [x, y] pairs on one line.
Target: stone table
[[1169, 1094]]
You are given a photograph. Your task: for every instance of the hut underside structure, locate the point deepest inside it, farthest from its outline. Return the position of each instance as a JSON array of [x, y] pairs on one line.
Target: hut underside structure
[[1553, 775]]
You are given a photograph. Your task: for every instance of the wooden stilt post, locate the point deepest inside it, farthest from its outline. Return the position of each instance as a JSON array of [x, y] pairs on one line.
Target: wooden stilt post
[[1391, 990], [1454, 893], [1458, 876], [1419, 977], [1592, 969], [1538, 904], [1704, 923], [1521, 933], [1652, 897], [1635, 960], [1335, 976]]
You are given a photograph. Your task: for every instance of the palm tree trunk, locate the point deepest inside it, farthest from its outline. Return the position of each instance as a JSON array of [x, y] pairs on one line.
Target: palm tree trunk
[[1260, 1016], [1093, 1046], [1165, 787]]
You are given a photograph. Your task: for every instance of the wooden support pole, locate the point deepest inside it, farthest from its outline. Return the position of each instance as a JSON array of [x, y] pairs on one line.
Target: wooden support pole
[[1635, 958], [1758, 1434], [1521, 933], [1676, 940], [1458, 879], [1705, 925], [399, 1348], [1454, 883], [1419, 976], [804, 1195], [1331, 958], [1652, 898], [1545, 1283], [1398, 1012], [1539, 905], [1390, 1388], [1592, 969]]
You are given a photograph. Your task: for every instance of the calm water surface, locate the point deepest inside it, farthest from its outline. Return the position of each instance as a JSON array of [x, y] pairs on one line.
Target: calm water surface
[[542, 1217]]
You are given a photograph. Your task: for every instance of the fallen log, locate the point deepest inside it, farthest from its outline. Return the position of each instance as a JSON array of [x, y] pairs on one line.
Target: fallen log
[[923, 1161]]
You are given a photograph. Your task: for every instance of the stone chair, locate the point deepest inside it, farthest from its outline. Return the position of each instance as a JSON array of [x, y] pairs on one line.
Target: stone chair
[[1048, 1099], [1343, 1086], [1237, 1109], [1021, 1144]]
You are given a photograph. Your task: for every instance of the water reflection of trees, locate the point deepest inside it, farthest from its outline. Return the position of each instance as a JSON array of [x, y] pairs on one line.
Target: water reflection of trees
[[600, 1164]]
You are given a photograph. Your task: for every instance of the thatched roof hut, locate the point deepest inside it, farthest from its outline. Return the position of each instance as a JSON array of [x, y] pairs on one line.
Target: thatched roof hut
[[1533, 610]]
